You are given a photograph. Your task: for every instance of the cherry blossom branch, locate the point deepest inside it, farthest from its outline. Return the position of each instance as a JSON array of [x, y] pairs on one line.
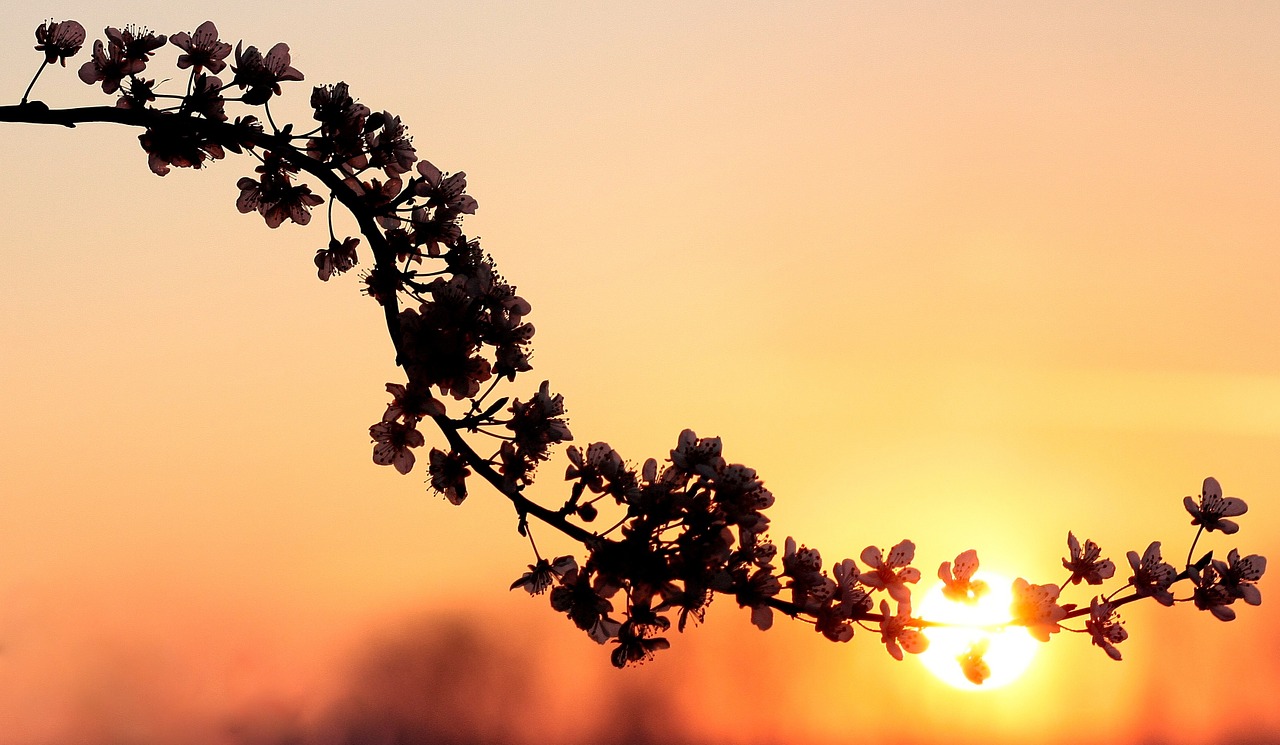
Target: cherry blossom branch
[[688, 530]]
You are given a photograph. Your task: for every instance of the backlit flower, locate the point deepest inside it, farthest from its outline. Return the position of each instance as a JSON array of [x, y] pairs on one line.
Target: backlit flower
[[957, 580], [1210, 594], [203, 49], [1036, 607], [895, 634], [138, 43], [59, 40], [1237, 575], [1213, 508], [260, 75], [891, 573], [337, 258], [973, 663], [393, 443], [537, 423], [1085, 564], [1151, 576], [449, 474], [1104, 626], [542, 575], [109, 65]]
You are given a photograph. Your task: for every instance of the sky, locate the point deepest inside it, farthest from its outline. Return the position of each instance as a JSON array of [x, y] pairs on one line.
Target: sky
[[970, 274]]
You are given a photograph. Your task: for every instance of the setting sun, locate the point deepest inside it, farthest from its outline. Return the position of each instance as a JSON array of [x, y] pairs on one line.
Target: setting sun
[[957, 653]]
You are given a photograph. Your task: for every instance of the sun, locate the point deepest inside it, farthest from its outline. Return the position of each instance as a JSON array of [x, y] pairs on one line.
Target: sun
[[958, 652]]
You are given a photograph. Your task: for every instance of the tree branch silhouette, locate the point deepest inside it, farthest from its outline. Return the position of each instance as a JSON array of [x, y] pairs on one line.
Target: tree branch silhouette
[[689, 530]]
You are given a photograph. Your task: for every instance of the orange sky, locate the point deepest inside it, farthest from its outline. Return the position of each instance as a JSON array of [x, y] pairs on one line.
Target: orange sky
[[973, 275]]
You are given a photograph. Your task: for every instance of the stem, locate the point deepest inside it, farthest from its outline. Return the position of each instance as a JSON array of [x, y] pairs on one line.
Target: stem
[[1191, 551], [32, 84]]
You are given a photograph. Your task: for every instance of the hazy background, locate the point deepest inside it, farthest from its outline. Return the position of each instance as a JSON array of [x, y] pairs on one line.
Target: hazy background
[[972, 274]]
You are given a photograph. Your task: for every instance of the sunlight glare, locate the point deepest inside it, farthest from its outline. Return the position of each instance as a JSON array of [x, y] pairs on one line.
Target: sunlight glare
[[1007, 652]]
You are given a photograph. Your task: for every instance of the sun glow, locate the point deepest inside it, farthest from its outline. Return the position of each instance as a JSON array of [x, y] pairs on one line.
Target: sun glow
[[959, 654]]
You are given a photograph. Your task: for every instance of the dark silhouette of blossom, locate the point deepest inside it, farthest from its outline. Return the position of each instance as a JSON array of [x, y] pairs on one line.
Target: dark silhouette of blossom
[[576, 597], [636, 645], [391, 147], [393, 444], [897, 635], [1036, 607], [139, 43], [1210, 594], [537, 423], [1151, 576], [957, 581], [1213, 508], [891, 573], [542, 575], [169, 146], [449, 474], [206, 98], [1085, 564], [137, 93], [59, 40], [202, 49], [1237, 575], [274, 196], [260, 75], [337, 258], [1104, 627], [444, 192], [697, 456], [109, 65], [411, 404]]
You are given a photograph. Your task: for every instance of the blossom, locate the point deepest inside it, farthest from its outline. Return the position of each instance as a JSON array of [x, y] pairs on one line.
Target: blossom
[[804, 566], [337, 258], [59, 40], [169, 146], [1036, 607], [697, 456], [202, 48], [261, 75], [1151, 576], [109, 65], [972, 662], [1212, 508], [206, 98], [274, 196], [138, 43], [1104, 626], [449, 475], [444, 192], [635, 644], [755, 594], [411, 403], [600, 463], [891, 573], [1237, 575], [391, 147], [537, 423], [895, 634], [1085, 564], [575, 597], [394, 441], [957, 582], [136, 93], [1211, 595], [542, 575]]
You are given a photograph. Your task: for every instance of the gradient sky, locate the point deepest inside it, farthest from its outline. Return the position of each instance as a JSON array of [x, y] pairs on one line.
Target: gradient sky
[[974, 274]]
